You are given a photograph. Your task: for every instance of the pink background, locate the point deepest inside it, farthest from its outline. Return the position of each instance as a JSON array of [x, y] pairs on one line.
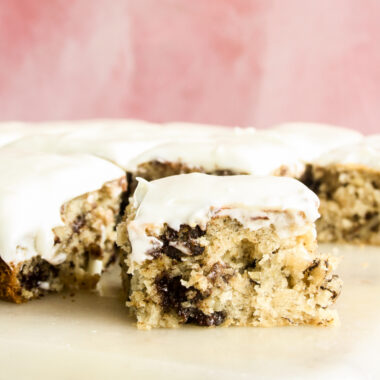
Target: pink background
[[235, 62]]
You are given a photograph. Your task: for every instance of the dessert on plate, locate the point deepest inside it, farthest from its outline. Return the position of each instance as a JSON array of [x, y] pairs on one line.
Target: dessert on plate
[[225, 250]]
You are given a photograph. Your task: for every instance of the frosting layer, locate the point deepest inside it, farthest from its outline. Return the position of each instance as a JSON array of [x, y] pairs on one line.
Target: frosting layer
[[193, 199], [311, 140], [119, 141], [33, 188], [366, 153], [251, 154]]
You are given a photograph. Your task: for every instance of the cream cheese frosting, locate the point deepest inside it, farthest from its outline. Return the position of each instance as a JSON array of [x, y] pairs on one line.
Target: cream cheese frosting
[[33, 187], [366, 153], [194, 199], [13, 130], [121, 140], [311, 140], [255, 154]]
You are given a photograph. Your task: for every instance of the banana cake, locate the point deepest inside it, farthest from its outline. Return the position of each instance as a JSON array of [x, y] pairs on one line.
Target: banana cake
[[225, 251]]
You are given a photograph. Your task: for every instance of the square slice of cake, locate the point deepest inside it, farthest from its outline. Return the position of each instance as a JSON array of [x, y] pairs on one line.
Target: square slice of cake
[[347, 182], [225, 250], [58, 216]]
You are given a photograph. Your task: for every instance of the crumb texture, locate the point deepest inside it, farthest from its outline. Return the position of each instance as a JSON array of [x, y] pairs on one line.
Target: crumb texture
[[227, 275], [350, 203]]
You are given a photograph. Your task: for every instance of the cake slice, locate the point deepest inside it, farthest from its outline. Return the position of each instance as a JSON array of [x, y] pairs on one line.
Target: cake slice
[[347, 181], [228, 251], [57, 218]]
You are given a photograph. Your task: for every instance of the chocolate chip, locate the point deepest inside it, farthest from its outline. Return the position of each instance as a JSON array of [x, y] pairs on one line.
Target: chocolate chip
[[173, 252], [95, 251], [39, 272], [196, 316], [170, 234], [308, 180], [155, 253], [195, 249], [171, 291], [252, 264], [78, 223], [173, 294], [124, 197]]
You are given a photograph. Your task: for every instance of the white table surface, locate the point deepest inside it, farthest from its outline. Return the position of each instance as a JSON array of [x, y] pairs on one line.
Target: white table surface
[[88, 336]]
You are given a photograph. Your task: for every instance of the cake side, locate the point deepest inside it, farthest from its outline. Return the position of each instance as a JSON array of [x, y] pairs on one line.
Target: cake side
[[350, 202], [347, 181]]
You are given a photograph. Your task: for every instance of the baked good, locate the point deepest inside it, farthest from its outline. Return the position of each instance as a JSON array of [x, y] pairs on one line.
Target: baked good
[[57, 216], [225, 250], [239, 154], [347, 182]]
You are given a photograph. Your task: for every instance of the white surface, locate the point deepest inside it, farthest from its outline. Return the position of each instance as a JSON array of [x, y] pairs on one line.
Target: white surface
[[92, 337], [256, 202]]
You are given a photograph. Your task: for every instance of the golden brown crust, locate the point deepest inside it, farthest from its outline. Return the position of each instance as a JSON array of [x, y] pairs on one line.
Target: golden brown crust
[[10, 289]]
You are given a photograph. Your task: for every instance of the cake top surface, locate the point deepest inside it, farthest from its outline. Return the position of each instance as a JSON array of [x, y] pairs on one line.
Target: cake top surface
[[193, 199], [365, 153], [13, 130], [33, 187], [120, 141], [251, 154], [311, 140]]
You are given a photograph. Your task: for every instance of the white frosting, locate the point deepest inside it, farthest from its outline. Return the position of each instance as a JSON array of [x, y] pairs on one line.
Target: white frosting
[[311, 140], [120, 140], [252, 154], [13, 130], [193, 199], [365, 153], [33, 188]]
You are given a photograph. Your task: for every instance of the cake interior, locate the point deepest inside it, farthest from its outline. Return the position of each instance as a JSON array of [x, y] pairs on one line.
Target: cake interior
[[87, 238], [350, 203], [231, 276]]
